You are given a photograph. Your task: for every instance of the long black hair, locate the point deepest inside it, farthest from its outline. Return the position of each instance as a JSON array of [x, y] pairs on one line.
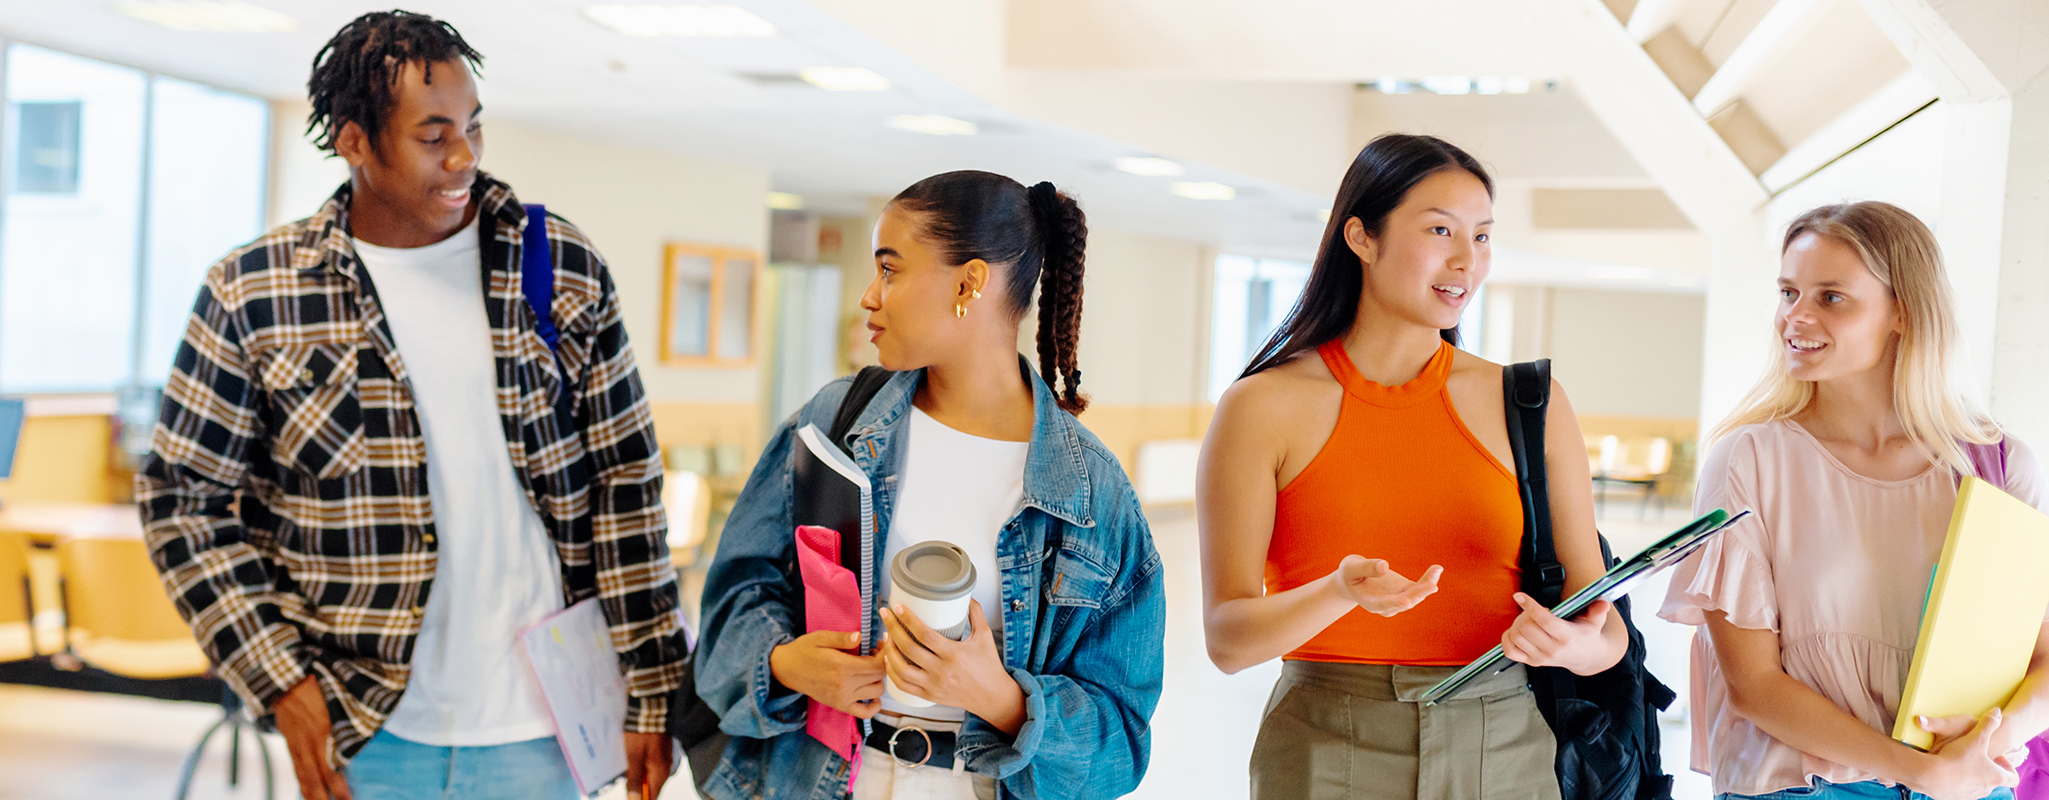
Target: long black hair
[[1034, 235], [353, 76], [1380, 177]]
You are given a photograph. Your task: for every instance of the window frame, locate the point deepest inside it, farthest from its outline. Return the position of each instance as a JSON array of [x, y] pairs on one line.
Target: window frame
[[138, 313], [721, 258]]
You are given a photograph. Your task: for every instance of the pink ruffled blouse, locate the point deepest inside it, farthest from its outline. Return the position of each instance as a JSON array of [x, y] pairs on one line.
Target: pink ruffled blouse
[[1837, 564]]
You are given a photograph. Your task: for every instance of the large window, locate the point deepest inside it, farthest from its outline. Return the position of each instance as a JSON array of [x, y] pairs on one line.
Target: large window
[[120, 189], [1252, 297]]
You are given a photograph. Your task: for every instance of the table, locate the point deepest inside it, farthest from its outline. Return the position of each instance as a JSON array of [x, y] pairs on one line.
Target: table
[[44, 524]]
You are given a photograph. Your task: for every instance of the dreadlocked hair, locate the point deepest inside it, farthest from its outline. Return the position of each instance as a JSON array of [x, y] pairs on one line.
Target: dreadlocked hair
[[1034, 236], [354, 74]]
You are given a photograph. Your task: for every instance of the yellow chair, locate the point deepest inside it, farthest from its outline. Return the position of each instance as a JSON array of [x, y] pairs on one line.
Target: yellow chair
[[118, 618], [17, 606], [116, 615]]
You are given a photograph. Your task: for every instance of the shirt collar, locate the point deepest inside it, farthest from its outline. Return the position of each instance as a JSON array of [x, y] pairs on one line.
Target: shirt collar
[[1056, 477]]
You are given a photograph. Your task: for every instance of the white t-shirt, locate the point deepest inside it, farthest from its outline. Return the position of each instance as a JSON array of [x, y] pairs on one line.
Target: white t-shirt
[[497, 570], [962, 489]]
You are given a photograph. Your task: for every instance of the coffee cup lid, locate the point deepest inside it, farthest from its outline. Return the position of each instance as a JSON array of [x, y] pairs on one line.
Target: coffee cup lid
[[933, 570]]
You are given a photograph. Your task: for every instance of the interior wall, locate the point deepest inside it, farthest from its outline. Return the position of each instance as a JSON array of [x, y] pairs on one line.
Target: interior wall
[[1628, 354], [1145, 339], [629, 201]]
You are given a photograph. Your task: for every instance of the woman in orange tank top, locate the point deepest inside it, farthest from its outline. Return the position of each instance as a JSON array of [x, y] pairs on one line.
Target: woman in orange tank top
[[1360, 520]]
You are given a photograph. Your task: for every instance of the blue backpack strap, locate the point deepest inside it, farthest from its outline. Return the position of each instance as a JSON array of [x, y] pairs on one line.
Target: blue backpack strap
[[537, 274]]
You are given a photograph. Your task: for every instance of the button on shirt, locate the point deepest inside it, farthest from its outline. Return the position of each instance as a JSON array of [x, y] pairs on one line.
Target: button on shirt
[[497, 571]]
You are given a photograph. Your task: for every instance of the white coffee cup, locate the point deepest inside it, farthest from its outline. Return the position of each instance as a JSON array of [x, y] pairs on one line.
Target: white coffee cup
[[934, 580]]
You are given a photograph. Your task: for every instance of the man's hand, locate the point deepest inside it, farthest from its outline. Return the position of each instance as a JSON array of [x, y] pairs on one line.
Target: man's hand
[[302, 720], [647, 764], [817, 665]]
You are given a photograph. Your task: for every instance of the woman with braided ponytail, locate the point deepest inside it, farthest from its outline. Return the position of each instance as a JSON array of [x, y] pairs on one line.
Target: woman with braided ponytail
[[1048, 690]]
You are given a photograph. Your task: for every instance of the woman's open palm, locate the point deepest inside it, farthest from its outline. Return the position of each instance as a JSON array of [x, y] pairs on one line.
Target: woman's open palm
[[1379, 589]]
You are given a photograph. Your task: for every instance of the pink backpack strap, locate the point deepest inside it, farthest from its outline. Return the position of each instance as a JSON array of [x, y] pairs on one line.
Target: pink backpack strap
[[1989, 460]]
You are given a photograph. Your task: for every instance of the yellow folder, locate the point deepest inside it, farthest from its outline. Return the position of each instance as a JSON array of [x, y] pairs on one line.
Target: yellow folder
[[1984, 610]]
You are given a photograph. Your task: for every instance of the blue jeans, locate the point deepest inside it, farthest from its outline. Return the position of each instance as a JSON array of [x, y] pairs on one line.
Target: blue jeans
[[390, 768], [1862, 790]]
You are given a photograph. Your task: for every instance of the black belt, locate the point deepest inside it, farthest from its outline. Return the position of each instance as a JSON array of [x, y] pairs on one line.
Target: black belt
[[912, 746]]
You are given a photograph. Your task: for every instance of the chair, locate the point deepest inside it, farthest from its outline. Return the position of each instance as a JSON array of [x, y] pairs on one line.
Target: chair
[[17, 605], [118, 618], [1640, 461]]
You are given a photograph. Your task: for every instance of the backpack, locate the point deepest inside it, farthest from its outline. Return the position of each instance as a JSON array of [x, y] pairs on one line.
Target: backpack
[[1606, 724]]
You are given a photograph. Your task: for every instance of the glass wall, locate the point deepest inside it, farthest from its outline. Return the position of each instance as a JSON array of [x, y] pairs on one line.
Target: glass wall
[[1253, 296], [120, 189]]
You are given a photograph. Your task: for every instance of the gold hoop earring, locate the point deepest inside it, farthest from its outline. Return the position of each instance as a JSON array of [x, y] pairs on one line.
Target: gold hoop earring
[[960, 312]]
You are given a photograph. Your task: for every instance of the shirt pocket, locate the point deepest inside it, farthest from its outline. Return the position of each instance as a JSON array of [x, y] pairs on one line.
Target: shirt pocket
[[1076, 581], [315, 408]]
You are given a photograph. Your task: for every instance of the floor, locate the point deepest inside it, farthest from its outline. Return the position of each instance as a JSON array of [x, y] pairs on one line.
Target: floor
[[59, 745]]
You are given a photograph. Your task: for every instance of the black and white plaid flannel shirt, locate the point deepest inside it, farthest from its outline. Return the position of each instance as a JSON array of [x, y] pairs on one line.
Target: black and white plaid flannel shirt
[[285, 498]]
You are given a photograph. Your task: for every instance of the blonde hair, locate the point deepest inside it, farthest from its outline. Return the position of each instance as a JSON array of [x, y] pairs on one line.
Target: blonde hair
[[1902, 253]]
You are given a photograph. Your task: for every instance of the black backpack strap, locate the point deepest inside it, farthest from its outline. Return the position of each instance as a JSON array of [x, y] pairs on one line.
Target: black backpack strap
[[1526, 394], [866, 383]]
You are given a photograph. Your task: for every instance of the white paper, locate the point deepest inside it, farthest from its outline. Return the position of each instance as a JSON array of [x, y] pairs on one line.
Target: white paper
[[571, 655]]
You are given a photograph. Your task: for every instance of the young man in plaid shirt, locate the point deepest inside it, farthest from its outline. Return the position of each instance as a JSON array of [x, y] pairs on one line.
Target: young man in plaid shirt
[[371, 470]]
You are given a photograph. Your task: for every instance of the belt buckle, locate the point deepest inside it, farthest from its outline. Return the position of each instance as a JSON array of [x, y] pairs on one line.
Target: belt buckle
[[900, 762]]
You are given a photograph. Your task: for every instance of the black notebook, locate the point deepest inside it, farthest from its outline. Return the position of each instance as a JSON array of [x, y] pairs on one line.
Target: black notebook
[[830, 491]]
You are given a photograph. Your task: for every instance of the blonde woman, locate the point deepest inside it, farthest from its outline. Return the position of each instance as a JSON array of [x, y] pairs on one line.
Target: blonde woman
[[1849, 451]]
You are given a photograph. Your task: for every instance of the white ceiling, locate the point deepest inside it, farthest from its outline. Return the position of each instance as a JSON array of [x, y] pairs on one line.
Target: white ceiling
[[545, 63], [1259, 100]]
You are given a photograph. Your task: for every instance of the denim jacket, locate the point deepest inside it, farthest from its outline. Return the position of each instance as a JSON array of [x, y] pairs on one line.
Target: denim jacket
[[1083, 607]]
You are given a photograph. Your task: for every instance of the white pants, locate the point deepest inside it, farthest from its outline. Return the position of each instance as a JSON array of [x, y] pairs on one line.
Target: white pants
[[883, 779]]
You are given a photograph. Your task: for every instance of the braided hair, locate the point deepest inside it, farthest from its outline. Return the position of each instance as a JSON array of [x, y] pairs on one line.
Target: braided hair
[[1036, 236], [355, 73]]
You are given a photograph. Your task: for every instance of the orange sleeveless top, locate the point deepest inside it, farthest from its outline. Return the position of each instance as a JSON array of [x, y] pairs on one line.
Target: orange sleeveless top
[[1402, 479]]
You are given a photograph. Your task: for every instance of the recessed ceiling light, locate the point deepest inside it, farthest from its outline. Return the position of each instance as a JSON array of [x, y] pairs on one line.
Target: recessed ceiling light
[[208, 15], [932, 125], [1448, 84], [844, 79], [1204, 190], [784, 201], [1619, 273], [1149, 166], [679, 20]]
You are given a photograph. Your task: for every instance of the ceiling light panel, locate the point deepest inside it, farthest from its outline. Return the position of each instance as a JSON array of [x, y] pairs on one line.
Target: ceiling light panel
[[1204, 190], [1150, 167], [208, 15], [844, 79], [1458, 84], [784, 201], [933, 125], [679, 20]]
